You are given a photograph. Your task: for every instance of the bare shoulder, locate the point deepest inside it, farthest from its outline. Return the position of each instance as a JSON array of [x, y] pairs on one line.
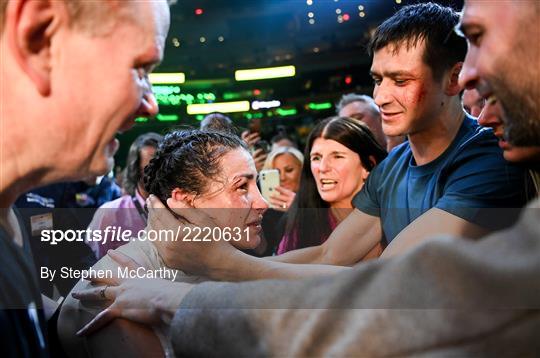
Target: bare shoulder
[[120, 338]]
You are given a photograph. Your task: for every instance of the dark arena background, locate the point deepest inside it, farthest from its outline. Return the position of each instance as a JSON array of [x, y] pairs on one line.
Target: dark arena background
[[325, 41]]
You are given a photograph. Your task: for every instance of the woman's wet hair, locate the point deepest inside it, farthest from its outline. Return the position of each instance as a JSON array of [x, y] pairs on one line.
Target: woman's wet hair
[[188, 160]]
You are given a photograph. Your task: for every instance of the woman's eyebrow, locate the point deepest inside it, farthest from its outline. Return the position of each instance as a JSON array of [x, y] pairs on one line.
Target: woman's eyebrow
[[248, 176]]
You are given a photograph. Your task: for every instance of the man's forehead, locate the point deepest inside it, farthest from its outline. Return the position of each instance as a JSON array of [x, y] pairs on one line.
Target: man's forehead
[[504, 19], [153, 16], [406, 45], [471, 11], [403, 50], [479, 12], [152, 19]]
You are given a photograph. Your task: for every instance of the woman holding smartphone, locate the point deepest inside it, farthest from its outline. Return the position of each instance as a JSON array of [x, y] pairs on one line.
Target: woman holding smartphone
[[288, 162]]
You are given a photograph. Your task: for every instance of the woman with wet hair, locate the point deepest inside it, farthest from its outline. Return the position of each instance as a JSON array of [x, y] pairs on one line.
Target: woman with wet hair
[[208, 171], [340, 153]]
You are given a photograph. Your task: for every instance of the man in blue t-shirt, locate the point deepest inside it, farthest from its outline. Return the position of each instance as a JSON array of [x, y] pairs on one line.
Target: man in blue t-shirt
[[450, 168]]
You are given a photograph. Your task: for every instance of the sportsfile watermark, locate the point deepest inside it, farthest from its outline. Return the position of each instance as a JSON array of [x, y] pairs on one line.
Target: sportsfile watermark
[[118, 234], [64, 254]]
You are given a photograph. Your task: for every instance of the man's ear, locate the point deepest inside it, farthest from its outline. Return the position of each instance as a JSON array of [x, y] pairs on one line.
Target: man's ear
[[180, 199], [30, 25], [452, 82]]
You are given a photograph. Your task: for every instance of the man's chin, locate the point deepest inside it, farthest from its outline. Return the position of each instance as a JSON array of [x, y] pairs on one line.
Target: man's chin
[[104, 166], [393, 131], [522, 131], [520, 115], [524, 155]]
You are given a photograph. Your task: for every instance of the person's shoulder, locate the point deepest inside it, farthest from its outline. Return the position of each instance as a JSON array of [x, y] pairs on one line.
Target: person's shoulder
[[399, 154], [476, 135], [116, 203], [143, 252], [476, 143]]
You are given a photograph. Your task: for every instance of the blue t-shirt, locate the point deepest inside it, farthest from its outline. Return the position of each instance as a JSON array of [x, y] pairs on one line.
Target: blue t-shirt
[[470, 175]]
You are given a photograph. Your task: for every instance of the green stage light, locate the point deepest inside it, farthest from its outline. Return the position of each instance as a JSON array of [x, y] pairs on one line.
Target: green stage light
[[320, 106], [167, 117], [286, 112]]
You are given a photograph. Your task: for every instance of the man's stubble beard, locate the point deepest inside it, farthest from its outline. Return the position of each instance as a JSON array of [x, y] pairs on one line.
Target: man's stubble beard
[[517, 85]]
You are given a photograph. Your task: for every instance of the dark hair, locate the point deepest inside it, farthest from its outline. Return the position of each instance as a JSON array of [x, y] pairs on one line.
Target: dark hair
[[133, 175], [430, 22], [306, 227], [349, 98], [218, 122], [187, 159]]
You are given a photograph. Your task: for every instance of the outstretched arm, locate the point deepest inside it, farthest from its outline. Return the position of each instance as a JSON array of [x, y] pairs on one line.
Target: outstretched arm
[[218, 260], [431, 223], [441, 296], [351, 241]]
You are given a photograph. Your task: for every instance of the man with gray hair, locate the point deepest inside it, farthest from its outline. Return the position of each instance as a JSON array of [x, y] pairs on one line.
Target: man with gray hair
[[363, 108], [51, 132]]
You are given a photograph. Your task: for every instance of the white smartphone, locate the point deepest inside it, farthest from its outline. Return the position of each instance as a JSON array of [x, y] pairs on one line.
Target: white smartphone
[[268, 180]]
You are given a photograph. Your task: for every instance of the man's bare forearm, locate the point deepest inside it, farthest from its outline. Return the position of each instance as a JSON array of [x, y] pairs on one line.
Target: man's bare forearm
[[349, 243], [247, 268], [308, 255]]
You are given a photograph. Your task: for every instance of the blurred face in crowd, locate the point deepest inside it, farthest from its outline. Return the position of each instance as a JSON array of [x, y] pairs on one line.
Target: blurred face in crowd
[[491, 117], [502, 62], [145, 155], [473, 102], [290, 169], [338, 172], [236, 190], [405, 91], [364, 112]]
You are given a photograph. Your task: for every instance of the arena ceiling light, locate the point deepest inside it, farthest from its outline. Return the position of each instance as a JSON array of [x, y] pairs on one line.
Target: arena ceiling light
[[222, 107], [265, 73], [256, 105], [167, 78]]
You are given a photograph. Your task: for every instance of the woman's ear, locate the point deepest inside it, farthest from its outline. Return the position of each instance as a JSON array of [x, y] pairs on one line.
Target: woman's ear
[[372, 163], [180, 199], [365, 174]]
